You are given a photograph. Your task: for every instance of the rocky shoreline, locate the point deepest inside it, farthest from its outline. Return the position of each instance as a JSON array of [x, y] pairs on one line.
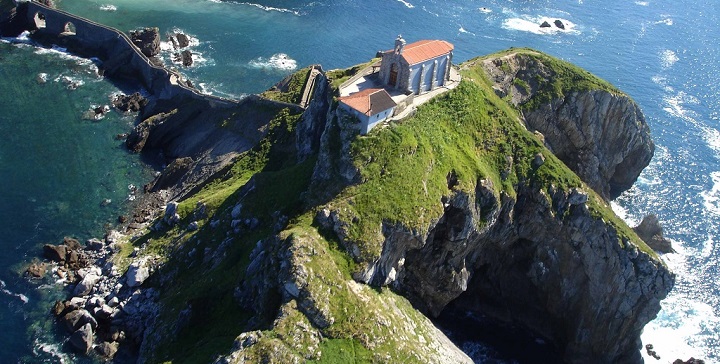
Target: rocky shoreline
[[107, 310]]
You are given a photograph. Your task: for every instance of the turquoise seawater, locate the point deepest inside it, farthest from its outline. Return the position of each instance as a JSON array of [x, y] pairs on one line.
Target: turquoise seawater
[[57, 168]]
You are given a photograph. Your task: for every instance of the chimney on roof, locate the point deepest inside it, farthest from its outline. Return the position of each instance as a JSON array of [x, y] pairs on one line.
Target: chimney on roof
[[399, 44]]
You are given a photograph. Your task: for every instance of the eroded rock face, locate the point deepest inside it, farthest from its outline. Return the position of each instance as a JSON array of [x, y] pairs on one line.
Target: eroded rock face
[[540, 260], [601, 136]]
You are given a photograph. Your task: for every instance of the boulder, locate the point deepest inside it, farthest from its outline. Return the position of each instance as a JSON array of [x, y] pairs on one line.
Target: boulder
[[689, 361], [56, 253], [545, 24], [559, 24], [82, 339], [137, 273], [107, 350], [71, 243], [184, 57], [61, 308], [74, 320], [94, 244], [86, 284], [171, 216]]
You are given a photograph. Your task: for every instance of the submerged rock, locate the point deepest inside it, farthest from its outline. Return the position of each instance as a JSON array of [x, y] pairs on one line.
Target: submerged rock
[[129, 103]]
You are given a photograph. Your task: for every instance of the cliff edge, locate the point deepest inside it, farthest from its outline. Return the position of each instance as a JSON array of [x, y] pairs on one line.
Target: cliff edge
[[595, 129]]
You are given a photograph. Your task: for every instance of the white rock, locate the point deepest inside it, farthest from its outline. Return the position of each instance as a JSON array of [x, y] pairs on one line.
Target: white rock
[[86, 284], [137, 273]]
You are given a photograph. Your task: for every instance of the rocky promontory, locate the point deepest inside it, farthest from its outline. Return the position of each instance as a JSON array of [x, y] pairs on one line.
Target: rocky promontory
[[288, 237]]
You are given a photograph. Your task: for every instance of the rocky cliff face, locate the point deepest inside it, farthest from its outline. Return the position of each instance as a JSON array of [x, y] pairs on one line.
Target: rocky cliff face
[[600, 134], [541, 261]]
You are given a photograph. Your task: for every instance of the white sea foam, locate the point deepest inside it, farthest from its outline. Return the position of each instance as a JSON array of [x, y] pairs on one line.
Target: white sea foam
[[682, 329], [108, 7], [674, 105], [54, 350], [712, 138], [20, 296], [409, 6], [531, 24], [667, 21], [270, 8], [463, 30], [711, 198], [279, 61], [642, 3], [485, 10], [619, 210], [662, 81], [668, 58]]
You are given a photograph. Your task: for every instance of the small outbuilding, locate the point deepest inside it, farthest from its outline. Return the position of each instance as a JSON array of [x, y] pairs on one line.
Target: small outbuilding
[[417, 67], [371, 106]]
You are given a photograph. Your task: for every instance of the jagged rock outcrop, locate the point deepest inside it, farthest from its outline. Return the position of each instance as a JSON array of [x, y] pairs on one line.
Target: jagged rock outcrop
[[541, 261], [651, 232], [147, 40], [297, 265], [312, 124], [601, 135]]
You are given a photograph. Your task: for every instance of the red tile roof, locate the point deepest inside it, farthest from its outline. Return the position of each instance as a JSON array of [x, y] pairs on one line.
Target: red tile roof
[[369, 101], [424, 50]]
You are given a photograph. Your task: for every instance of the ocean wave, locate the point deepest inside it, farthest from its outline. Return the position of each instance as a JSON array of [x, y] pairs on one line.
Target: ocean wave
[[41, 349], [712, 138], [20, 296], [108, 7], [684, 328], [668, 58], [270, 8], [23, 38], [278, 61], [711, 198], [407, 4], [674, 105], [531, 24], [642, 3], [662, 81]]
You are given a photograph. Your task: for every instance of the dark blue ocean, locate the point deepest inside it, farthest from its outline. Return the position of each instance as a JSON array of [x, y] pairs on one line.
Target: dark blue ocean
[[56, 168]]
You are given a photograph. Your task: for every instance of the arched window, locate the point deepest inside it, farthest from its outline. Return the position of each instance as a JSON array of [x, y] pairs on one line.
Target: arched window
[[39, 20], [393, 75], [69, 29]]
